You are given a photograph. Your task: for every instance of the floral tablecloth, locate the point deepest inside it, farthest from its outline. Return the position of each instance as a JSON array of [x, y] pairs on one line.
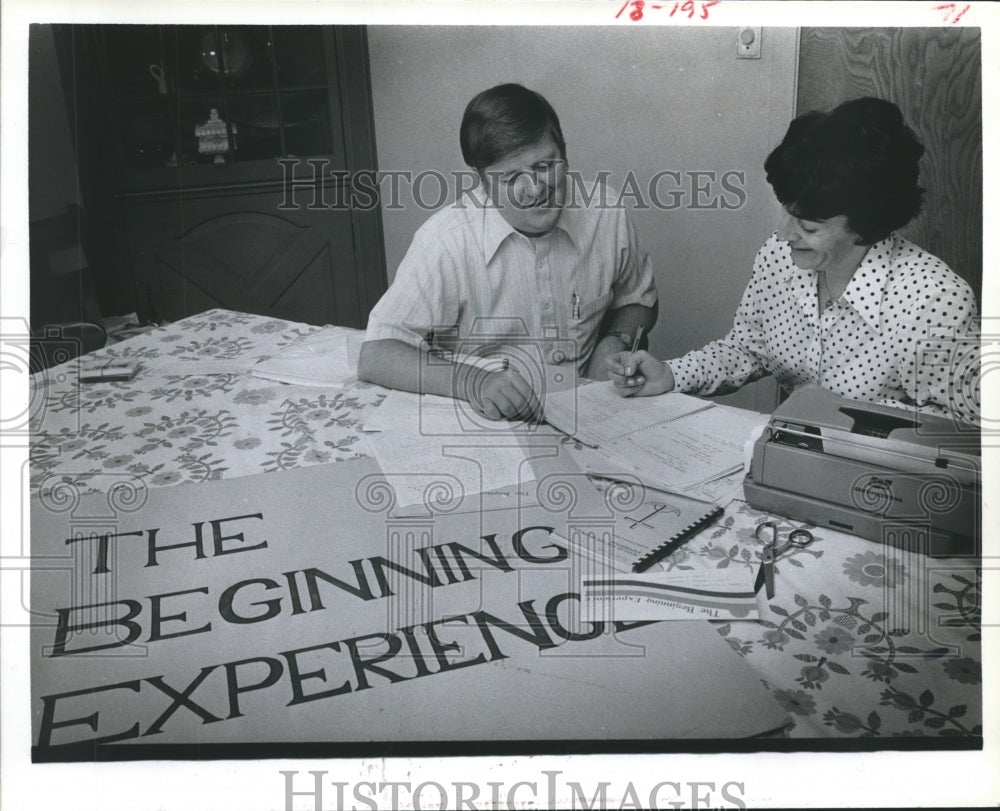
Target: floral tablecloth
[[863, 640]]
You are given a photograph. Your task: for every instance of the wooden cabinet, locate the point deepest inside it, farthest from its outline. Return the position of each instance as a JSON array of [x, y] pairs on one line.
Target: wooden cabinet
[[208, 156]]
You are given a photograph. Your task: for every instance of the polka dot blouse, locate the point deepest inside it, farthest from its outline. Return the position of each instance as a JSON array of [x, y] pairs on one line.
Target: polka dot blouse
[[903, 333]]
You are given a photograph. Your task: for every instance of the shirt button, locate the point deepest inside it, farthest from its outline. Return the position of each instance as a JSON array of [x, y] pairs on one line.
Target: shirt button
[[545, 306]]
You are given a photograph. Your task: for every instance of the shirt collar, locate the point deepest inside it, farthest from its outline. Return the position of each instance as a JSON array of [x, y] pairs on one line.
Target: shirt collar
[[793, 273], [867, 286], [866, 289], [496, 229]]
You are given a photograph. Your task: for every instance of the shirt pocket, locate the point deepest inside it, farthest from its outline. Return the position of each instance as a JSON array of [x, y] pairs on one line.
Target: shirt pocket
[[584, 323]]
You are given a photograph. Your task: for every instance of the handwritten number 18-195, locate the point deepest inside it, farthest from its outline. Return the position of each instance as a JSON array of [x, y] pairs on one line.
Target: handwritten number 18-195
[[687, 7], [952, 12]]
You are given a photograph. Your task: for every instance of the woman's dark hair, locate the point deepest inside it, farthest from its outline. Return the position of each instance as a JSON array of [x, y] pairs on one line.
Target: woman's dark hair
[[859, 160], [504, 119]]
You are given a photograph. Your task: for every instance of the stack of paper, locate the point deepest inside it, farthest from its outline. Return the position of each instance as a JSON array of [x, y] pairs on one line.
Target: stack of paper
[[687, 453], [404, 409], [326, 358], [674, 441], [596, 415], [436, 447], [422, 468]]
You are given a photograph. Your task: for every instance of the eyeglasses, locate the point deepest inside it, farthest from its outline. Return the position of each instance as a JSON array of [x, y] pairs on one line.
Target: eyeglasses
[[547, 172], [767, 531]]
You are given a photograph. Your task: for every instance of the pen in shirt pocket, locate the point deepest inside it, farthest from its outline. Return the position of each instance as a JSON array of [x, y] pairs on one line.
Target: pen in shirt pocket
[[576, 307]]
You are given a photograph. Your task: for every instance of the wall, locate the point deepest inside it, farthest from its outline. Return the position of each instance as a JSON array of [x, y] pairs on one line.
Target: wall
[[642, 99], [934, 75]]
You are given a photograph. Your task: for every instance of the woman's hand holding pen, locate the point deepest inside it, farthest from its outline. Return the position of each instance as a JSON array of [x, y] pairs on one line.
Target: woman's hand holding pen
[[639, 374]]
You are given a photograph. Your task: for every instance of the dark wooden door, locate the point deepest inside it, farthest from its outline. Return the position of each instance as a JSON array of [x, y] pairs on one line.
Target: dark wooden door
[[245, 253], [934, 75], [181, 229]]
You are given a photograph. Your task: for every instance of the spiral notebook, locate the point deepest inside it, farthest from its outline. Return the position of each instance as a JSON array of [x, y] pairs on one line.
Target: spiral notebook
[[676, 541], [645, 525]]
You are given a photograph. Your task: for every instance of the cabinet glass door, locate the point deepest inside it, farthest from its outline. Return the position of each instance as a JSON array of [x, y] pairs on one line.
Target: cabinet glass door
[[197, 98]]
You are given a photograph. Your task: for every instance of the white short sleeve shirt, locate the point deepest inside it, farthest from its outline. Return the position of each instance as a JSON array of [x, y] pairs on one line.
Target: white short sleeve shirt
[[469, 275]]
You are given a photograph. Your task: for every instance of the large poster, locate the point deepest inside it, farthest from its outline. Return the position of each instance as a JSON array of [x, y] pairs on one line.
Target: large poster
[[305, 608]]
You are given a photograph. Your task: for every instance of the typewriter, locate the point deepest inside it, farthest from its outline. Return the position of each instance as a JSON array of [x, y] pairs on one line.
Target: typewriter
[[898, 477]]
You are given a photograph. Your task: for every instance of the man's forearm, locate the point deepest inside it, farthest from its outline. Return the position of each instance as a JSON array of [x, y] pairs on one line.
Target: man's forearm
[[397, 365], [499, 393]]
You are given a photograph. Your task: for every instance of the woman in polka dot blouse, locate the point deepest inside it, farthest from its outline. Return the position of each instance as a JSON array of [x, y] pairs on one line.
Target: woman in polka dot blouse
[[837, 298]]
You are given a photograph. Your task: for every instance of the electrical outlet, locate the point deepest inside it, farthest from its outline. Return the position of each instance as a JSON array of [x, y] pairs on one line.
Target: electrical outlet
[[748, 42]]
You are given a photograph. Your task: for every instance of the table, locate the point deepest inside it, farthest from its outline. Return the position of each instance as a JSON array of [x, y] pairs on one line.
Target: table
[[869, 642]]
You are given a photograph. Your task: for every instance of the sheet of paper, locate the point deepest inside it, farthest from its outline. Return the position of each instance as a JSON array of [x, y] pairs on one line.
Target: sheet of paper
[[595, 462], [422, 467], [690, 451], [326, 358], [173, 367], [720, 491], [596, 415], [680, 594], [401, 409]]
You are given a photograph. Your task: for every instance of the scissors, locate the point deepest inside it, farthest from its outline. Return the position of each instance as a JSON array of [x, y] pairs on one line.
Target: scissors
[[797, 538]]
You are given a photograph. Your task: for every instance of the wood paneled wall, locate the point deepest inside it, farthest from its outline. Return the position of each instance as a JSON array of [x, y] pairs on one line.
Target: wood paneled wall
[[934, 75]]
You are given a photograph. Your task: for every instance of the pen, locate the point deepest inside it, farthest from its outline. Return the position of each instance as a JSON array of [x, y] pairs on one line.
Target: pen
[[635, 348], [576, 306]]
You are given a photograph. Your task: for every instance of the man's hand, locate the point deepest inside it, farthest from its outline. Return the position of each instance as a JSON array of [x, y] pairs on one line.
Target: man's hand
[[501, 395], [639, 374]]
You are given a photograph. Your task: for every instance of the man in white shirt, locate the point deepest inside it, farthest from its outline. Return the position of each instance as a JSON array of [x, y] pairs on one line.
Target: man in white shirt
[[515, 262]]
